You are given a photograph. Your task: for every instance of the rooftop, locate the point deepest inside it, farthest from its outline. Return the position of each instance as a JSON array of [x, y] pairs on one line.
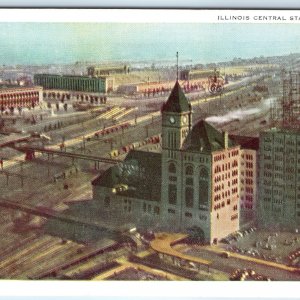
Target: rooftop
[[177, 102], [283, 130], [141, 171], [205, 138], [71, 76], [246, 142]]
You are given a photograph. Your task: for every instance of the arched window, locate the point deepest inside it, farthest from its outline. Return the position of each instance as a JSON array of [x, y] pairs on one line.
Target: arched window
[[203, 194], [203, 173], [189, 170], [172, 168], [172, 194], [189, 197]]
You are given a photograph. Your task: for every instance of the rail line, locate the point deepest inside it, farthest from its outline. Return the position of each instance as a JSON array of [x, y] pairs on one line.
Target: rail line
[[69, 154], [48, 213]]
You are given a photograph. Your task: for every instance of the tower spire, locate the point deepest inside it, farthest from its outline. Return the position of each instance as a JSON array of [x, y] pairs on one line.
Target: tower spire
[[177, 66]]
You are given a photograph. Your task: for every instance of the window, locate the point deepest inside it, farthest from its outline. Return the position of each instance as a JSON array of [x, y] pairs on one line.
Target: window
[[172, 193], [171, 211], [106, 202], [156, 210], [127, 205], [188, 215], [203, 193], [189, 197], [201, 217], [189, 170], [172, 168], [234, 217], [203, 173], [189, 181]]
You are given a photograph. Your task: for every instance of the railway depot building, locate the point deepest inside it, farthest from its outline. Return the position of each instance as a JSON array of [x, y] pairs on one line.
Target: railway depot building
[[19, 96], [103, 84], [279, 178], [193, 184]]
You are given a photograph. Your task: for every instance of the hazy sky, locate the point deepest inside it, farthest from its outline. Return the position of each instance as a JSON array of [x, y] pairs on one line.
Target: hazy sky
[[36, 43]]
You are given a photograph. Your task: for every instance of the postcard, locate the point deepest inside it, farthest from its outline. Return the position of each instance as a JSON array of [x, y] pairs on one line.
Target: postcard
[[149, 145]]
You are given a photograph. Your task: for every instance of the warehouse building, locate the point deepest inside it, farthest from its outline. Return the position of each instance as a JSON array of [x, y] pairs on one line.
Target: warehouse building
[[97, 71], [102, 84], [279, 179], [20, 96], [193, 184]]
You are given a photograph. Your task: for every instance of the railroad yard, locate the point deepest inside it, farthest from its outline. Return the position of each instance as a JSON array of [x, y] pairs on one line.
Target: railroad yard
[[49, 228]]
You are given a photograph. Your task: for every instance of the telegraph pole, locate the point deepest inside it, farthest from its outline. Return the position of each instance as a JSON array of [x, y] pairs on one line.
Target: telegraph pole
[[177, 66]]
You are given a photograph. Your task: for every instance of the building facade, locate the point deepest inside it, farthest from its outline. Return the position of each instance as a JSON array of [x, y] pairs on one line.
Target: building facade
[[20, 97], [102, 84], [279, 178], [193, 184], [248, 172]]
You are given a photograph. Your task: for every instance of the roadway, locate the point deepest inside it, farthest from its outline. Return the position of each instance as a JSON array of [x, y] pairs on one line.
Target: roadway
[[163, 244], [237, 261], [211, 257]]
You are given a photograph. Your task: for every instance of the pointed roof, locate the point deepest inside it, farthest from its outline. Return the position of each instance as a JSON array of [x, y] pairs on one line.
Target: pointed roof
[[205, 138], [177, 102], [109, 178]]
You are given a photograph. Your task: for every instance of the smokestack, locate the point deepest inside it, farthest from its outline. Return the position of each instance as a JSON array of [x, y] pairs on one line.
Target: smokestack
[[225, 139]]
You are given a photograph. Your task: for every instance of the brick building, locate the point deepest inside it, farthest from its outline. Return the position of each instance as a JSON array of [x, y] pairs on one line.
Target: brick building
[[20, 96], [193, 184], [248, 171]]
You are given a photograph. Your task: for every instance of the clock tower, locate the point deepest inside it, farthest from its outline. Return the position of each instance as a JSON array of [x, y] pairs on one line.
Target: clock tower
[[176, 124], [176, 119]]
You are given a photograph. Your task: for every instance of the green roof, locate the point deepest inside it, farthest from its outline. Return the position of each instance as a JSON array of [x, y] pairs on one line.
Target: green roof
[[109, 178], [205, 138], [177, 102], [141, 171]]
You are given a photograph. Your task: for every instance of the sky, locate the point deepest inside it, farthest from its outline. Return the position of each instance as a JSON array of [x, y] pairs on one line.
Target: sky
[[49, 43]]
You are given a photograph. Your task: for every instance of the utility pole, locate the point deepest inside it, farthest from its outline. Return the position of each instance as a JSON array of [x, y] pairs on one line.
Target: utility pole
[[147, 131], [177, 66]]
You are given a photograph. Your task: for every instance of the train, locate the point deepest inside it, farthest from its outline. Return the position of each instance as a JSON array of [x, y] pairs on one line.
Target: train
[[125, 149], [111, 129]]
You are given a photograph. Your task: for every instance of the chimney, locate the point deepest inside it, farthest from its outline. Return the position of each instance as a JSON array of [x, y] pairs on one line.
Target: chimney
[[225, 139]]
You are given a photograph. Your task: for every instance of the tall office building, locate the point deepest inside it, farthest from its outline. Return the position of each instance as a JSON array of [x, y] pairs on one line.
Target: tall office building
[[279, 179]]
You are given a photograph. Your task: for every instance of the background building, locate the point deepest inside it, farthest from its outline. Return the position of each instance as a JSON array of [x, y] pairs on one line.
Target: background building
[[75, 83], [20, 96], [107, 70], [192, 185], [279, 180]]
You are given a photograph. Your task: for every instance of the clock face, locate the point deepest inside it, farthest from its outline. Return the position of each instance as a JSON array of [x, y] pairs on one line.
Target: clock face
[[184, 120], [172, 120]]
